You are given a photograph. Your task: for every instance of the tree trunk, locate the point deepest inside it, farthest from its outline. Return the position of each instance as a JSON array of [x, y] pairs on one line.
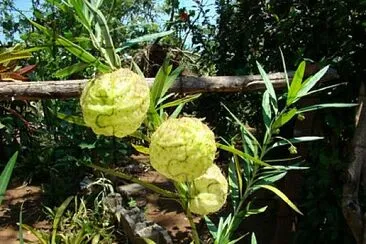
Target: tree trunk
[[356, 176]]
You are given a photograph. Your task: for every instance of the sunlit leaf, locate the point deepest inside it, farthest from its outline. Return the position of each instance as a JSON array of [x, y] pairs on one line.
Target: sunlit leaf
[[73, 119], [141, 149], [284, 118], [72, 69], [241, 154], [310, 83], [296, 84], [6, 174], [326, 105], [144, 38], [282, 196], [266, 109]]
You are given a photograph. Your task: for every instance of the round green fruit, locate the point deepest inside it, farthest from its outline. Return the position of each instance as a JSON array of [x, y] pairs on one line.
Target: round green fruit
[[182, 149], [208, 192], [116, 103]]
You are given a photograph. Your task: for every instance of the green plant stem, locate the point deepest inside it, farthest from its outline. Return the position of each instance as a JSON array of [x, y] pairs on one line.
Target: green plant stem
[[124, 176], [195, 236]]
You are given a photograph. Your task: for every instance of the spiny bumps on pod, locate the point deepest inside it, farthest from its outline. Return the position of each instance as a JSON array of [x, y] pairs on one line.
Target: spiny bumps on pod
[[208, 192], [182, 149], [116, 103]]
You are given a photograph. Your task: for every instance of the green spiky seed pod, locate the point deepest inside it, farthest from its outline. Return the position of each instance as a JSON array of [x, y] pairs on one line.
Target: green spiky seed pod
[[182, 149], [116, 103], [208, 192]]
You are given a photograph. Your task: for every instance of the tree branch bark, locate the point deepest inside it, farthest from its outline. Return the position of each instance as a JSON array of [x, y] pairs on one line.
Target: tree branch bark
[[186, 84]]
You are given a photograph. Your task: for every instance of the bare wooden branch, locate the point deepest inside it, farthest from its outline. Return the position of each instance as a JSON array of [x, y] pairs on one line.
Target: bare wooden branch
[[356, 177], [187, 84]]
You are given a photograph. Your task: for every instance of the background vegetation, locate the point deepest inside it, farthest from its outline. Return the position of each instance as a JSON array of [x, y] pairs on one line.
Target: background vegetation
[[219, 38]]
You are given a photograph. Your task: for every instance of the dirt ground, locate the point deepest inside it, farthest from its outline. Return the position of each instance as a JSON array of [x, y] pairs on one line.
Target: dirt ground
[[166, 213]]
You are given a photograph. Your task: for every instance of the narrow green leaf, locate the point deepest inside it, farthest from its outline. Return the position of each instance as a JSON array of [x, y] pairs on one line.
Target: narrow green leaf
[[233, 184], [73, 48], [82, 54], [284, 118], [141, 149], [311, 82], [7, 57], [295, 140], [6, 174], [253, 239], [177, 111], [72, 69], [326, 88], [73, 119], [270, 177], [148, 241], [253, 211], [326, 105], [266, 109], [137, 69], [268, 84], [36, 233], [108, 50], [60, 211], [171, 79], [296, 84], [144, 38], [282, 196], [211, 227], [179, 101], [285, 70], [160, 79], [241, 154]]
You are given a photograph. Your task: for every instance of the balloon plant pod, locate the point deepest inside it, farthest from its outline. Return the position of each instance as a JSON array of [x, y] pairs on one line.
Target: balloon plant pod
[[208, 192], [182, 149], [115, 103]]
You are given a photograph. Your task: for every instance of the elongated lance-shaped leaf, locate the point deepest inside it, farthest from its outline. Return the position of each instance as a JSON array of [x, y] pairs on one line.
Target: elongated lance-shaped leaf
[[293, 141], [144, 38], [82, 13], [177, 111], [253, 239], [73, 119], [326, 105], [211, 227], [179, 101], [266, 110], [141, 149], [241, 154], [285, 69], [296, 84], [72, 69], [6, 174], [311, 82], [8, 56], [284, 118], [234, 184], [269, 87], [171, 79], [282, 196], [41, 238], [60, 211], [109, 50], [76, 50], [326, 88], [159, 82]]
